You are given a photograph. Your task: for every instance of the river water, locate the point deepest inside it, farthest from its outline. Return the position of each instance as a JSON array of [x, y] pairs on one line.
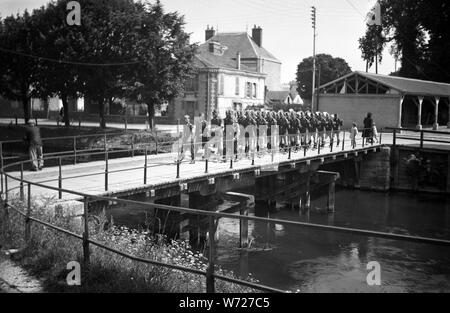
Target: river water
[[306, 260]]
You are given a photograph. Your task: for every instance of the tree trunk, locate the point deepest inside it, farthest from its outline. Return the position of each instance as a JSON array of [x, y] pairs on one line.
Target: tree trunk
[[151, 116], [101, 112], [66, 110], [26, 108]]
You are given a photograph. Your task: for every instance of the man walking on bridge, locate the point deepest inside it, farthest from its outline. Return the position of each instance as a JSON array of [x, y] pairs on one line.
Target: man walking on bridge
[[34, 142]]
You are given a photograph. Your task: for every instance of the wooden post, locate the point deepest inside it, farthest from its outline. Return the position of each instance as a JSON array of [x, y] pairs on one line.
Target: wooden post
[[5, 208], [243, 228], [145, 167], [59, 179], [436, 113], [156, 142], [86, 252], [419, 115], [106, 169], [421, 139], [1, 167], [104, 141], [21, 182], [331, 197], [394, 140], [75, 150], [307, 195], [27, 217], [210, 286], [448, 175]]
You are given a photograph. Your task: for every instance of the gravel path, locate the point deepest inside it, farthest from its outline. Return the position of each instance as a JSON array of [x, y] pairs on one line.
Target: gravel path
[[14, 279]]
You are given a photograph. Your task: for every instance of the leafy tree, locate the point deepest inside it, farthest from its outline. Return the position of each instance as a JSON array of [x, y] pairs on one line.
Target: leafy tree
[[372, 44], [167, 58], [330, 69], [109, 34], [18, 37], [415, 32], [58, 42]]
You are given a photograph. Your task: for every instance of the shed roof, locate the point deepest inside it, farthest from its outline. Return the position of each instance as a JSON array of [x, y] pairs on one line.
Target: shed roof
[[406, 86]]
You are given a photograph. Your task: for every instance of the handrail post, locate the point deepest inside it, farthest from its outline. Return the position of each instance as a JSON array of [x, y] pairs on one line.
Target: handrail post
[[206, 166], [394, 138], [363, 139], [86, 252], [1, 167], [231, 163], [106, 169], [74, 150], [145, 167], [318, 145], [6, 190], [289, 155], [421, 139], [104, 142], [156, 142], [27, 217], [331, 141], [178, 168], [381, 137], [343, 140], [5, 207], [21, 182], [59, 179], [210, 286], [132, 146]]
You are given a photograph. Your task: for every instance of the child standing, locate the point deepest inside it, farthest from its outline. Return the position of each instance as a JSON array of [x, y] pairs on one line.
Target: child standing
[[353, 134], [375, 132]]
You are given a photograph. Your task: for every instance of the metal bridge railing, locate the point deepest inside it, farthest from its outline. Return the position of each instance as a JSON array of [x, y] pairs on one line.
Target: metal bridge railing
[[213, 217], [399, 133]]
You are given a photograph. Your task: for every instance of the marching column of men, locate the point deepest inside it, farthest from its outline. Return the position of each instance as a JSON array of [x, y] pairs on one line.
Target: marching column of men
[[296, 130]]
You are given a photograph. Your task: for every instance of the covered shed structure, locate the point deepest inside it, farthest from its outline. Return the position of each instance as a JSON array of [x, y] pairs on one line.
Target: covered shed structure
[[393, 101]]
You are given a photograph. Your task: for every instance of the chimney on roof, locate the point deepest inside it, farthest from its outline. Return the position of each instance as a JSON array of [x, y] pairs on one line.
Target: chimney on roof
[[257, 35], [209, 33], [238, 60]]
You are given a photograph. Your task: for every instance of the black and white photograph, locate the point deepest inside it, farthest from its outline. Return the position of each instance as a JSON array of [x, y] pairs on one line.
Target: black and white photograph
[[222, 152]]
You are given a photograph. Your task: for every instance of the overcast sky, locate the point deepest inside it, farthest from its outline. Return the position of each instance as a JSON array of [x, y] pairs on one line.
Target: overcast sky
[[287, 31]]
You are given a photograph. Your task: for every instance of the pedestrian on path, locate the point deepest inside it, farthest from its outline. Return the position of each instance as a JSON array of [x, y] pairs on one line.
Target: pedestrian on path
[[368, 128], [34, 142], [353, 134]]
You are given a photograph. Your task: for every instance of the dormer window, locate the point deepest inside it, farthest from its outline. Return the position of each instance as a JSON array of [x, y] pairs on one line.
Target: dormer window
[[216, 48]]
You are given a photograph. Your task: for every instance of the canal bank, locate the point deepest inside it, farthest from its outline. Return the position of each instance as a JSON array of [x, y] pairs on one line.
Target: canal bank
[[320, 261]]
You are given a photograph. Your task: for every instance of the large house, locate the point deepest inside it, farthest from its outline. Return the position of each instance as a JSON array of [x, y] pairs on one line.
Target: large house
[[233, 71]]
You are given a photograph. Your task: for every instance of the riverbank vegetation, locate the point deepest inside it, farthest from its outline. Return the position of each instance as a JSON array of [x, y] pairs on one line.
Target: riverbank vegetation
[[48, 252]]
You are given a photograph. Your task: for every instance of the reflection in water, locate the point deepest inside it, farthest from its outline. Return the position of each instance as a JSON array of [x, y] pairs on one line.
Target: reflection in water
[[323, 261]]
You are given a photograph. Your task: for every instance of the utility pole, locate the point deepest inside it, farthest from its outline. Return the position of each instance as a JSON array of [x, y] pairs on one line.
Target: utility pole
[[313, 18]]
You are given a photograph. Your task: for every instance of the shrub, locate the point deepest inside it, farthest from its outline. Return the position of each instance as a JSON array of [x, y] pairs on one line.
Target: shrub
[[49, 252]]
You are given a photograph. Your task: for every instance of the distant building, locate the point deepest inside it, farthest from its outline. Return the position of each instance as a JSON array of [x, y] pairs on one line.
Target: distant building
[[233, 71], [284, 97]]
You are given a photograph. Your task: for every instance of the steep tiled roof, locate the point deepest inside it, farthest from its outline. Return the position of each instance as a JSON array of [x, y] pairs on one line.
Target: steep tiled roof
[[232, 43]]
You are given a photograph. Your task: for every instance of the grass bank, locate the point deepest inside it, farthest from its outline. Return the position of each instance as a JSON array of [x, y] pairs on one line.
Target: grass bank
[[48, 252]]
